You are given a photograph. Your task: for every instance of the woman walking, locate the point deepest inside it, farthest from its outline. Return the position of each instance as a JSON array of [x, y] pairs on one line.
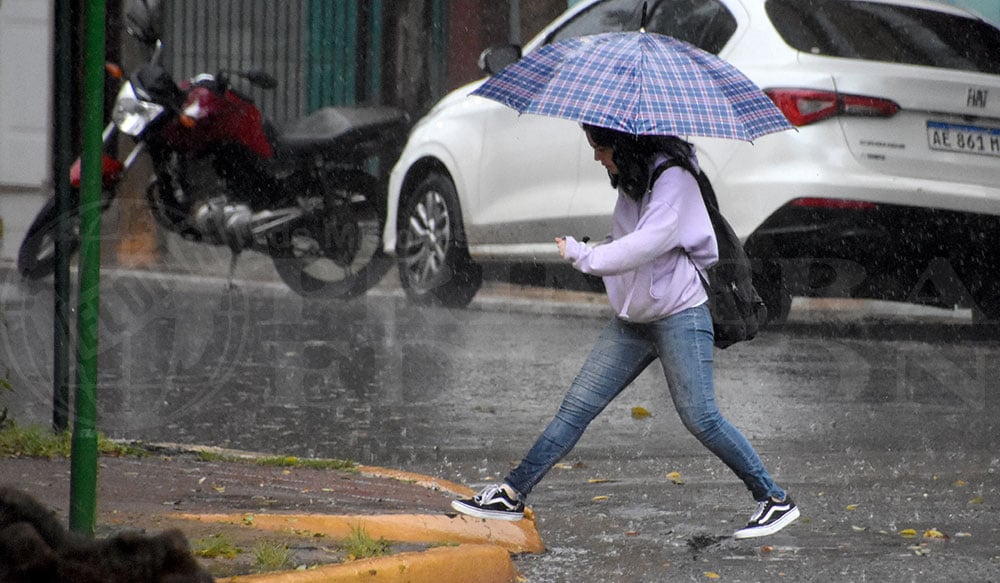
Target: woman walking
[[661, 238]]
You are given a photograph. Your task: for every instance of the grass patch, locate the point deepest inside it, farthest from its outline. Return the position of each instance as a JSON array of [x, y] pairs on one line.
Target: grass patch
[[361, 545], [316, 464], [272, 556], [280, 461], [33, 442], [36, 441], [216, 546]]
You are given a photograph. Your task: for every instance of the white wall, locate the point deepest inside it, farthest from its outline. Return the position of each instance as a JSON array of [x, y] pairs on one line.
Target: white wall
[[25, 102]]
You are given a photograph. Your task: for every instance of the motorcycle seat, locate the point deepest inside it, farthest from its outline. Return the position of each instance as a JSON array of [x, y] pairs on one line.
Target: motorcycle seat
[[344, 131]]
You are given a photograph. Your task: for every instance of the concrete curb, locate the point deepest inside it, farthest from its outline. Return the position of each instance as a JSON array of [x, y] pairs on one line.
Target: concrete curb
[[483, 563], [515, 537], [418, 479], [483, 548]]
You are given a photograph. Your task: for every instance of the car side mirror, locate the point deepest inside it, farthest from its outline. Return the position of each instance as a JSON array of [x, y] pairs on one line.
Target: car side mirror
[[494, 59]]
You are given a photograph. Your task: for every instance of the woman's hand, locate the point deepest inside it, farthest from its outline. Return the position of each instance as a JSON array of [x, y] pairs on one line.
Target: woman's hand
[[561, 243]]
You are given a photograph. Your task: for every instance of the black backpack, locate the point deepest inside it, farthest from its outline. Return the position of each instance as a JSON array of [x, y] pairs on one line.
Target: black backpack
[[738, 312]]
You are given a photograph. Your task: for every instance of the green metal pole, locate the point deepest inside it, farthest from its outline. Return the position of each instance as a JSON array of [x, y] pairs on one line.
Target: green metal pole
[[83, 460], [62, 145]]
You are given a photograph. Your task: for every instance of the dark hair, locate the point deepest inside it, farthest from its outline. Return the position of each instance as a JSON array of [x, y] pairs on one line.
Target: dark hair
[[632, 154]]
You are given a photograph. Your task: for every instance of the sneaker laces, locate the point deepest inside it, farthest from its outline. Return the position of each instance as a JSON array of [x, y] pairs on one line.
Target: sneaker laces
[[488, 493], [761, 506]]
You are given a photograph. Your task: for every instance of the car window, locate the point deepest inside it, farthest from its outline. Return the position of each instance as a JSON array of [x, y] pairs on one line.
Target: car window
[[611, 16], [885, 32], [706, 24]]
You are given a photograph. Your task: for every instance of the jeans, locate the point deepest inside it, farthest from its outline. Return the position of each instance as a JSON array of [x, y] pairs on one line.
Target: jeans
[[683, 343]]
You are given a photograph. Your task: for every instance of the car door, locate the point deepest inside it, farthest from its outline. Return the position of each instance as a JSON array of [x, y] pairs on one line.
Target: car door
[[531, 165], [526, 180]]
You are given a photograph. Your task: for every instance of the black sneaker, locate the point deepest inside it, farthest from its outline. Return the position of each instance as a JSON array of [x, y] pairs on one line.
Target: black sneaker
[[770, 517], [492, 502]]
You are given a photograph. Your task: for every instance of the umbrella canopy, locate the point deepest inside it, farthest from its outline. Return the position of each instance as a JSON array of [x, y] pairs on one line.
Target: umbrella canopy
[[638, 83]]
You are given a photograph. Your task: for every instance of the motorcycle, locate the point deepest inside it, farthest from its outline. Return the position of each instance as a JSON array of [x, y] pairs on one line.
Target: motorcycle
[[222, 176]]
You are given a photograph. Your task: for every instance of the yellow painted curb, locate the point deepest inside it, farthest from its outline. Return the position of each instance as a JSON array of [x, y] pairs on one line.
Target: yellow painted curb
[[418, 479], [480, 563], [513, 537]]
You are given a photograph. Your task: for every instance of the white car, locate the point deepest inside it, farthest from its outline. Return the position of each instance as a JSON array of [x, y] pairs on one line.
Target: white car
[[889, 188]]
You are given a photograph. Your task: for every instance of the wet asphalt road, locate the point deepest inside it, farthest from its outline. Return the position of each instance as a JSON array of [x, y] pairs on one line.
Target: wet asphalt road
[[885, 428]]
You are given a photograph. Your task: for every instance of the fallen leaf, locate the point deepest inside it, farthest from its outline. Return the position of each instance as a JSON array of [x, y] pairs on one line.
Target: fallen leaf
[[599, 498], [961, 483], [852, 506], [562, 466], [859, 528], [248, 520], [675, 477], [640, 413], [908, 533], [631, 533], [934, 533], [963, 534], [976, 500], [712, 575], [599, 481], [767, 549], [219, 489]]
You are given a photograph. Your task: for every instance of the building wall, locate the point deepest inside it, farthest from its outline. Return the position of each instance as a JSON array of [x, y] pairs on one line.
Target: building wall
[[25, 76]]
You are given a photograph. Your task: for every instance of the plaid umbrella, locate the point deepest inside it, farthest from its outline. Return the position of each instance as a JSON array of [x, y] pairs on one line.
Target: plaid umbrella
[[639, 83]]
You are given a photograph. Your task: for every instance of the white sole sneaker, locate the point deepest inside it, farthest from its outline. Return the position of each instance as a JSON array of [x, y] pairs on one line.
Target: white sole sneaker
[[474, 511], [770, 528]]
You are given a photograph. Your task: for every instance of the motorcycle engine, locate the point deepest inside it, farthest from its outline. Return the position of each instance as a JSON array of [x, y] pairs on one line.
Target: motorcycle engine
[[224, 223]]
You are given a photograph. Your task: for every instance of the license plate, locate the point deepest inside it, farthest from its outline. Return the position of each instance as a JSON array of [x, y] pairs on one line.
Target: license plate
[[966, 139]]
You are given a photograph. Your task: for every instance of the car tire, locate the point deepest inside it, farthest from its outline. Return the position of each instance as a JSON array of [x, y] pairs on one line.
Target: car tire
[[770, 284], [434, 263], [986, 311]]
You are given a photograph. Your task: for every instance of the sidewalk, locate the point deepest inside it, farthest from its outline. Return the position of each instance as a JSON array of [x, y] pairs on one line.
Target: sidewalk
[[230, 500]]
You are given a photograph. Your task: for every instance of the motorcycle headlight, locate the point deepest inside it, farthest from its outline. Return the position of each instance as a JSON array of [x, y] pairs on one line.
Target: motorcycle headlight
[[132, 114]]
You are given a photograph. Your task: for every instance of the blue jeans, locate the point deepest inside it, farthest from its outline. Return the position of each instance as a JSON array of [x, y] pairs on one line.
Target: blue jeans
[[683, 343]]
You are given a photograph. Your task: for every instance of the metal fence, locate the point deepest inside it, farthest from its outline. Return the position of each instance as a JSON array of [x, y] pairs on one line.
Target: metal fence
[[241, 35]]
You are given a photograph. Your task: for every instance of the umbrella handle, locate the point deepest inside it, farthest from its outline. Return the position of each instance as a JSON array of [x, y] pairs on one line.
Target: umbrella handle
[[642, 22]]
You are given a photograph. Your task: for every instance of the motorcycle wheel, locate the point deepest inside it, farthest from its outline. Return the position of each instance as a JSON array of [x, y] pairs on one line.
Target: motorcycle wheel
[[37, 256], [337, 253]]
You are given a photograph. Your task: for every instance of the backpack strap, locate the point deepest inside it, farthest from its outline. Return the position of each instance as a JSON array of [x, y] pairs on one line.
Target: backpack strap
[[702, 185], [707, 192]]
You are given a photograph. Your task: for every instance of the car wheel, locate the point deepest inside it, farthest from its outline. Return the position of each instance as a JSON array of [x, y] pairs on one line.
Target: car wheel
[[987, 308], [434, 262], [770, 284]]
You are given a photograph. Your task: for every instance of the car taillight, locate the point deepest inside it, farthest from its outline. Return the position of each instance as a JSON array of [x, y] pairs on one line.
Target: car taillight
[[805, 106], [834, 203]]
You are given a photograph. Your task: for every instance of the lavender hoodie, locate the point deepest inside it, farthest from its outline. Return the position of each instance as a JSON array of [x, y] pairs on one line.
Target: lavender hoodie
[[646, 270]]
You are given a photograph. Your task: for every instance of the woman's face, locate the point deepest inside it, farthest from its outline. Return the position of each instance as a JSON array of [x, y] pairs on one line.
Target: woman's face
[[603, 154]]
